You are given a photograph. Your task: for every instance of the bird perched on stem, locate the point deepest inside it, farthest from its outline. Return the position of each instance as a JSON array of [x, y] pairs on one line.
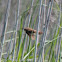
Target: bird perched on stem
[[31, 32]]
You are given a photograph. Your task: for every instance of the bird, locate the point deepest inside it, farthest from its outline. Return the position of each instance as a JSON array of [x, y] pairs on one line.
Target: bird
[[31, 32]]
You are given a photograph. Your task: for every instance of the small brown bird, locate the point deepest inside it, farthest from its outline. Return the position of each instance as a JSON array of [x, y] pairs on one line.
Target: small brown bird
[[31, 32]]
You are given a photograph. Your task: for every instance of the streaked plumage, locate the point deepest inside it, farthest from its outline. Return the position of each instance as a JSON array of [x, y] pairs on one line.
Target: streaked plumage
[[31, 32]]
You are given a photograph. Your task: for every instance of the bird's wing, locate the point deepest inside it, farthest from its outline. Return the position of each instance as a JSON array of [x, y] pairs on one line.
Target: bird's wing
[[30, 29], [33, 37]]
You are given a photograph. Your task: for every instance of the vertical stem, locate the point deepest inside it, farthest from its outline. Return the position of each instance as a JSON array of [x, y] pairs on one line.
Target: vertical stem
[[30, 12], [45, 29], [44, 23], [5, 24], [37, 36], [16, 26], [58, 51]]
